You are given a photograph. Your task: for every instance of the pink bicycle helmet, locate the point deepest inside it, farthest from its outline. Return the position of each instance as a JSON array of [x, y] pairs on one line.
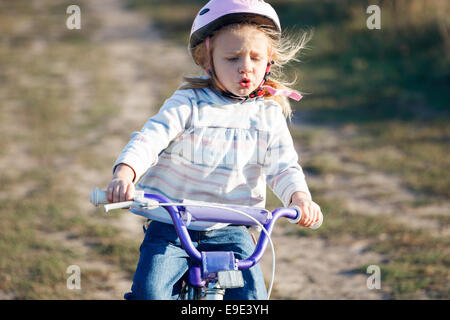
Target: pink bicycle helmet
[[218, 13]]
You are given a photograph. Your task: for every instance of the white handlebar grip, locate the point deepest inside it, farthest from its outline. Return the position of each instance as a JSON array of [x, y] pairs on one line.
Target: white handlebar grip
[[118, 205], [318, 223], [98, 197], [314, 226], [299, 215]]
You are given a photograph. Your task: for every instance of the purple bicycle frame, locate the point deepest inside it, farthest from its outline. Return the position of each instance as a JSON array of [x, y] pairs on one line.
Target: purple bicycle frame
[[195, 276]]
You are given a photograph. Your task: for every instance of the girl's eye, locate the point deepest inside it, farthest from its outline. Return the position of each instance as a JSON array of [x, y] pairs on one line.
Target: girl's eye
[[234, 59]]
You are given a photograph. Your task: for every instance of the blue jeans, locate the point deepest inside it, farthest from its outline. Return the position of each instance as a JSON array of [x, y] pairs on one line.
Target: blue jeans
[[163, 262]]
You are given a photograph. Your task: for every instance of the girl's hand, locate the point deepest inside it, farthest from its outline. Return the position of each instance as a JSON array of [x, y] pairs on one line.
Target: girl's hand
[[121, 187], [311, 212]]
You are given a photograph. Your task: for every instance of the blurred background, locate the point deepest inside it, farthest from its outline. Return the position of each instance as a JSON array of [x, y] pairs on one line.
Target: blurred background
[[372, 133]]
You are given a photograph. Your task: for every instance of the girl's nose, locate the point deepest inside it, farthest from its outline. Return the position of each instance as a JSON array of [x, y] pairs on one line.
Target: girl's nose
[[246, 65]]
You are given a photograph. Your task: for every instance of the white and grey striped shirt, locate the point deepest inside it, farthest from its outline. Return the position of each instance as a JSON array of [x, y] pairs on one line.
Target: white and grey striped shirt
[[204, 146]]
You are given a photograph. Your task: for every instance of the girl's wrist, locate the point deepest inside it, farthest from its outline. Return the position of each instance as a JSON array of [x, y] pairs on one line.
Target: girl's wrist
[[299, 196], [124, 171]]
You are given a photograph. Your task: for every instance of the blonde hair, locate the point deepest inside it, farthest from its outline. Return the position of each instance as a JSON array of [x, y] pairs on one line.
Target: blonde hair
[[285, 49]]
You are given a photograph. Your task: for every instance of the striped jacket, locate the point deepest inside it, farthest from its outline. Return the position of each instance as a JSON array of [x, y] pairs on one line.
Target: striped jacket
[[204, 146]]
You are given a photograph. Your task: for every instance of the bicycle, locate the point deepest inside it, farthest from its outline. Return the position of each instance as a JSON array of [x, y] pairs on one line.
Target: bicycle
[[213, 271]]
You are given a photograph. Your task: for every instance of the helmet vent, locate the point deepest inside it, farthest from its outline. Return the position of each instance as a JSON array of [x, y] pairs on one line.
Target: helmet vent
[[203, 11]]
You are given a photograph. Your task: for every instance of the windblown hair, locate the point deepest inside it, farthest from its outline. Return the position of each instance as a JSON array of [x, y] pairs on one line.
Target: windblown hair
[[285, 49]]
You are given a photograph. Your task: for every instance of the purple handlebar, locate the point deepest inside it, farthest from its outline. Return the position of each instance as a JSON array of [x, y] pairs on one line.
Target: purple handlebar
[[180, 227], [263, 240], [188, 246]]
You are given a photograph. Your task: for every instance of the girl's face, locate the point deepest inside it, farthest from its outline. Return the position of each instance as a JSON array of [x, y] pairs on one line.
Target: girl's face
[[240, 59]]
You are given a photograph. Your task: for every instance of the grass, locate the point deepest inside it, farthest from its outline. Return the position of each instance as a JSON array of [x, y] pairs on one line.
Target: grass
[[416, 152], [53, 94], [413, 151], [170, 17], [30, 265], [391, 85]]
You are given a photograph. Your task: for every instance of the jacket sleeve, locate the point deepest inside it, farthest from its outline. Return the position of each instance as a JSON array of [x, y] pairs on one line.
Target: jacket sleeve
[[283, 172], [144, 146]]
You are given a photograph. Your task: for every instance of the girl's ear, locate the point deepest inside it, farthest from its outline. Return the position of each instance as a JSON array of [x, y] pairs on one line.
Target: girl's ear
[[208, 57], [270, 60], [207, 64]]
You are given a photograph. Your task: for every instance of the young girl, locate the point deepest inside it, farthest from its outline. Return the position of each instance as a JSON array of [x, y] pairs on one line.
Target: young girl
[[220, 138]]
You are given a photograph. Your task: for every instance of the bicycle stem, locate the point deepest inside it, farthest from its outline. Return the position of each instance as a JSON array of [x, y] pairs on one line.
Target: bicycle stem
[[262, 241], [180, 228]]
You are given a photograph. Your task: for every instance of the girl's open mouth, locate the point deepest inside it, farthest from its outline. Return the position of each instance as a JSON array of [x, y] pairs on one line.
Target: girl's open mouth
[[245, 83]]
